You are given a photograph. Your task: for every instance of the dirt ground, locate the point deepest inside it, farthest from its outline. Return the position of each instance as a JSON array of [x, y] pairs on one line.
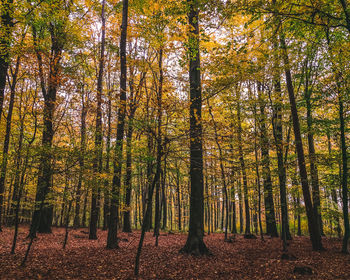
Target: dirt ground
[[241, 259]]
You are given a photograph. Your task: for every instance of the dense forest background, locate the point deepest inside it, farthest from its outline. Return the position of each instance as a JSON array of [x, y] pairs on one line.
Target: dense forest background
[[183, 116]]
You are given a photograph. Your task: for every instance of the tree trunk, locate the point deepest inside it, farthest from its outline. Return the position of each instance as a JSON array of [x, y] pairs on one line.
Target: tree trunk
[[271, 227], [7, 136], [43, 213], [128, 176], [314, 230], [242, 163], [159, 141], [344, 177], [164, 196], [112, 240], [6, 20], [77, 221], [194, 243], [257, 173], [97, 161], [178, 197], [223, 177], [278, 137], [312, 154]]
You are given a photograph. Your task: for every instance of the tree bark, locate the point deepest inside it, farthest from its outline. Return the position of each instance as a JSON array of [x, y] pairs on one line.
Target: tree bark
[[195, 244], [314, 230], [7, 136], [97, 161], [312, 154], [278, 137], [223, 176], [112, 240], [344, 177], [43, 213], [77, 221], [6, 20], [271, 227], [242, 163]]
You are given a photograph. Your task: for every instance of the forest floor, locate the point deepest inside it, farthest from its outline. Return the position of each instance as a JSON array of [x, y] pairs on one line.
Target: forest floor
[[241, 259]]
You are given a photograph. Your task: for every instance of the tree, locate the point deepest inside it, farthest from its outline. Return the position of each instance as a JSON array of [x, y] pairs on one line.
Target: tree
[[97, 165], [112, 241], [7, 134], [42, 216], [314, 228], [6, 20], [271, 227], [194, 243]]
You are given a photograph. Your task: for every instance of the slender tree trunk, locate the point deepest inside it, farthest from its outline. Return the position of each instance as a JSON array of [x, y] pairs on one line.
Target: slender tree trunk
[[84, 220], [7, 137], [344, 177], [278, 137], [257, 173], [159, 141], [77, 221], [240, 202], [223, 177], [178, 197], [106, 193], [146, 217], [128, 177], [312, 154], [233, 196], [164, 196], [6, 20], [314, 230], [15, 194], [271, 227], [97, 163], [112, 241], [20, 185], [333, 190], [242, 163]]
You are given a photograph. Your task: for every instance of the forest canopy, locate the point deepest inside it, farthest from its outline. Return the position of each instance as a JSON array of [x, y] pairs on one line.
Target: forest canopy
[[193, 117]]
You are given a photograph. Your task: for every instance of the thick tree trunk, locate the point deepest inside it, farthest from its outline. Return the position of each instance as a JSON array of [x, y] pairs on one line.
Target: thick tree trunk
[[195, 244], [43, 212]]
